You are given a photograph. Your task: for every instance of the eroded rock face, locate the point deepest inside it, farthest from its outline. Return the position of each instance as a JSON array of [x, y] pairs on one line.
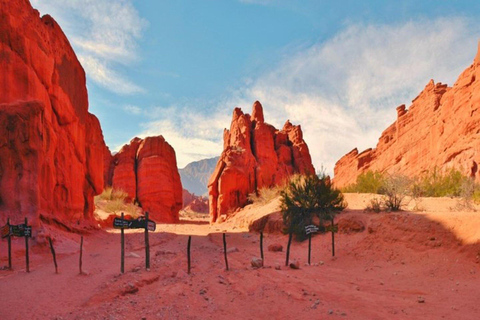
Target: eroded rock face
[[440, 129], [255, 155], [147, 170], [192, 202], [51, 148]]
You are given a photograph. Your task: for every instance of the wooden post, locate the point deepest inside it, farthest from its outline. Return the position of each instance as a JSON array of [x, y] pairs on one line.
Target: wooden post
[[9, 246], [147, 244], [81, 254], [333, 238], [261, 245], [53, 254], [225, 250], [288, 248], [309, 246], [122, 241], [188, 252], [27, 258]]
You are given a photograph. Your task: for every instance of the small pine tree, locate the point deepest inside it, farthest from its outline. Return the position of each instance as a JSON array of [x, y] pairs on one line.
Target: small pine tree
[[306, 197]]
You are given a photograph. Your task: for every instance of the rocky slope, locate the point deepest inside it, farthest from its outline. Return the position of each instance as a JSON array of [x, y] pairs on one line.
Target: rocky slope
[[440, 129], [147, 170], [255, 156], [51, 147], [195, 175]]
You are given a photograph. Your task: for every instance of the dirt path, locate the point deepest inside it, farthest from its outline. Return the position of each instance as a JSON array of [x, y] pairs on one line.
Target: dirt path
[[402, 266]]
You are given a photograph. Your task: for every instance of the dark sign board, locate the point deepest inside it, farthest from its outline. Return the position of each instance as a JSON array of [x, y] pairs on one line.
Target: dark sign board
[[20, 230], [139, 223], [311, 229]]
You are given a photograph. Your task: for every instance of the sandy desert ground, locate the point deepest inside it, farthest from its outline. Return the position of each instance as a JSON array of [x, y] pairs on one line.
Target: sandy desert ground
[[406, 265]]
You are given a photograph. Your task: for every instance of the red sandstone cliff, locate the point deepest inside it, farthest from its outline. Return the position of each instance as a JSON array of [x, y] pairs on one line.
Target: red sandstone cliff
[[51, 148], [255, 155], [440, 129], [147, 170]]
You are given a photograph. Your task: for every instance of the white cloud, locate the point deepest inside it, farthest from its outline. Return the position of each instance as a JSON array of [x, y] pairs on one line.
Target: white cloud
[[132, 109], [104, 34], [343, 91]]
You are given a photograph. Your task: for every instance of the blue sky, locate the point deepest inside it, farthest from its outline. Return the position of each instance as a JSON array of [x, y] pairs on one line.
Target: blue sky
[[178, 68]]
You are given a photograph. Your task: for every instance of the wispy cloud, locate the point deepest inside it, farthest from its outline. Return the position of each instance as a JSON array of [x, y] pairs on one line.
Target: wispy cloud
[[343, 91], [132, 109], [104, 34]]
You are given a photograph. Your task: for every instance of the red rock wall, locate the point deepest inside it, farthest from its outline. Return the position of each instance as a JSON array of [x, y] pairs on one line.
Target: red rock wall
[[147, 170], [440, 129], [51, 148], [255, 155]]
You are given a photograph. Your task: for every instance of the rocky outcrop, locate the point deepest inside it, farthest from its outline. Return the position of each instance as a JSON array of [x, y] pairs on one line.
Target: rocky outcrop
[[51, 147], [440, 129], [192, 202], [255, 155], [146, 169]]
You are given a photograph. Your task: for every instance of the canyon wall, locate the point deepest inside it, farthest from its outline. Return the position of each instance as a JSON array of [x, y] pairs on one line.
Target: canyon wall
[[255, 155], [51, 148], [441, 129]]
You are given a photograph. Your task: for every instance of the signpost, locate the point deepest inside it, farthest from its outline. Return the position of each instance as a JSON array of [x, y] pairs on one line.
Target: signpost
[[21, 230], [333, 228], [188, 251], [139, 223], [309, 230]]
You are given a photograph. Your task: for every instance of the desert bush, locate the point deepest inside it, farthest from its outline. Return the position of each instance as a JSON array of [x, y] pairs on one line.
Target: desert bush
[[264, 195], [395, 188], [436, 184], [367, 182], [112, 194], [114, 206], [306, 197], [375, 205]]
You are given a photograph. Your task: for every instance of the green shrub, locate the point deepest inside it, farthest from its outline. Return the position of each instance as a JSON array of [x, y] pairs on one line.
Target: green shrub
[[395, 189], [436, 184], [306, 197], [367, 182]]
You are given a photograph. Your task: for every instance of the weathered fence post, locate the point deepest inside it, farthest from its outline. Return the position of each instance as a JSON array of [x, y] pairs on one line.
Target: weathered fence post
[[309, 246], [188, 252], [147, 244], [81, 254], [225, 249], [122, 241], [27, 258], [261, 246], [333, 238], [288, 248], [53, 254], [9, 246]]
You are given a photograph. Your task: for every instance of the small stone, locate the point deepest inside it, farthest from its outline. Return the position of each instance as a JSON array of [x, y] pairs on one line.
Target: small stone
[[277, 266], [330, 311], [276, 247], [295, 264], [321, 263], [420, 299], [257, 263], [232, 249], [203, 291]]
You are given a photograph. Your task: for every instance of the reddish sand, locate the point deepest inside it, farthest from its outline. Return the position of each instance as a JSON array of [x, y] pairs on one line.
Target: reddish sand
[[403, 266]]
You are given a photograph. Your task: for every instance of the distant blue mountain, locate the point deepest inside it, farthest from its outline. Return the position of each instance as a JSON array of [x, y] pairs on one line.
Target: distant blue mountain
[[196, 174]]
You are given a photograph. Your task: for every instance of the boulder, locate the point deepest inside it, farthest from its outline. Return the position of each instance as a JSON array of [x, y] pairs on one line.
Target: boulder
[[147, 170], [439, 130], [255, 156]]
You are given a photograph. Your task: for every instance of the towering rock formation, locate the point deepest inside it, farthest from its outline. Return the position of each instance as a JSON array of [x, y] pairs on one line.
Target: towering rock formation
[[255, 155], [51, 147], [440, 129], [147, 170]]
